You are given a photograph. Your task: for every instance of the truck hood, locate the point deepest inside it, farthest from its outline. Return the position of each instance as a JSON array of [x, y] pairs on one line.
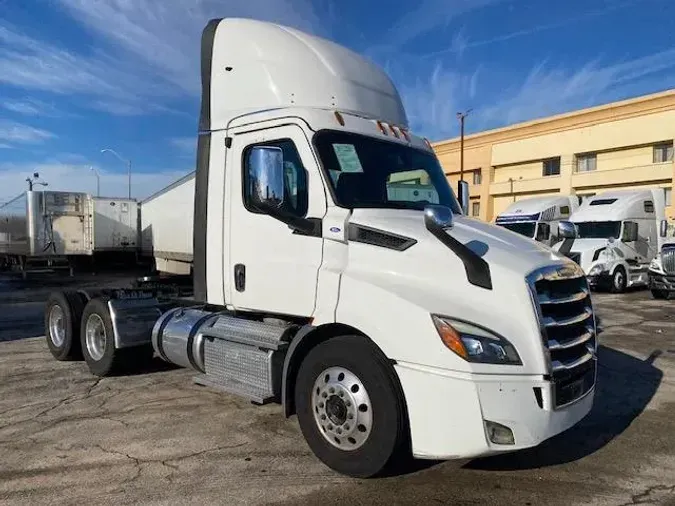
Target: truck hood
[[583, 251], [429, 278], [493, 243]]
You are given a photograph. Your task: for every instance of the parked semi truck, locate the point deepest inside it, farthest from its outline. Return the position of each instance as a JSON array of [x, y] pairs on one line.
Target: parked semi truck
[[538, 217], [389, 325], [65, 227], [617, 236]]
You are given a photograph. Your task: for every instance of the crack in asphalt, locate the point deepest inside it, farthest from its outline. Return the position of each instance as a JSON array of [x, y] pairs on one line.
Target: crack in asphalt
[[646, 496], [139, 462]]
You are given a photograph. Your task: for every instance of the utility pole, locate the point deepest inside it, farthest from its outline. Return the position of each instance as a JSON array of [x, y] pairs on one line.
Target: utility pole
[[461, 116]]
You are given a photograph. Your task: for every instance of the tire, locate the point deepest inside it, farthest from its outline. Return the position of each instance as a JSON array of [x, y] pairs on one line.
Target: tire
[[618, 280], [367, 446], [660, 294], [63, 314], [98, 341]]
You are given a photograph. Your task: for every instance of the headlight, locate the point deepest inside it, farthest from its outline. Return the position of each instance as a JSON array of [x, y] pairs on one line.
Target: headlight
[[597, 269], [655, 264], [475, 344]]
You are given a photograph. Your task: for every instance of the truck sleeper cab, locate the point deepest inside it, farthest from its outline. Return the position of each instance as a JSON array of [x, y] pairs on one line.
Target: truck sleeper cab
[[617, 236], [319, 285], [538, 217]]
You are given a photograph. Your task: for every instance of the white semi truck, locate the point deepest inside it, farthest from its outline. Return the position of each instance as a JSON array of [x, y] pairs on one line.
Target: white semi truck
[[662, 267], [617, 236], [538, 217], [389, 325]]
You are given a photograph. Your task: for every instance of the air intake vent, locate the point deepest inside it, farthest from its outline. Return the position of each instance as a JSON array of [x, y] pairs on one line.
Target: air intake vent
[[375, 237]]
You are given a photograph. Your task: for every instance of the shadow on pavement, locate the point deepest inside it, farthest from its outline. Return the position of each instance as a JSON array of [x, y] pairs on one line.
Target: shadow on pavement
[[624, 387]]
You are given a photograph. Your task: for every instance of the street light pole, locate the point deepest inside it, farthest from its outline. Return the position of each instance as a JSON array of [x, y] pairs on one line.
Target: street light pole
[[128, 162], [461, 116], [98, 180]]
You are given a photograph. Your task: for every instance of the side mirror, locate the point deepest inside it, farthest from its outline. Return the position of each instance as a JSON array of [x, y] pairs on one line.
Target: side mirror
[[630, 231], [567, 230], [437, 217], [543, 232], [463, 196], [663, 230], [266, 177]]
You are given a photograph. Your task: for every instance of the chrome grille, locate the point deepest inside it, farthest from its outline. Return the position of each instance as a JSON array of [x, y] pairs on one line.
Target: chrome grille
[[668, 260], [562, 299]]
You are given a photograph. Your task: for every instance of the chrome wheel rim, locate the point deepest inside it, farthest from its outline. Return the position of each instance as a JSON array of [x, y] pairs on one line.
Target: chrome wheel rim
[[57, 325], [342, 409], [95, 337]]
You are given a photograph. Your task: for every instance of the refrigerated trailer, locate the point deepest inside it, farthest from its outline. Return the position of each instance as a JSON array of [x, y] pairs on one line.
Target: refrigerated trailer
[[390, 325], [53, 226]]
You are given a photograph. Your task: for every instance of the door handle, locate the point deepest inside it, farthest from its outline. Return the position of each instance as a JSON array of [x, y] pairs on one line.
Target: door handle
[[240, 277]]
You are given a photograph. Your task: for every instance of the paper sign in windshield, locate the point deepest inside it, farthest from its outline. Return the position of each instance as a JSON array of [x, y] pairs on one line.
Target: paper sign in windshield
[[347, 157]]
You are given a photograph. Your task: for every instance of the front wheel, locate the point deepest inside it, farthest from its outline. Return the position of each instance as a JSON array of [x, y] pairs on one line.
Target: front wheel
[[619, 280], [349, 406]]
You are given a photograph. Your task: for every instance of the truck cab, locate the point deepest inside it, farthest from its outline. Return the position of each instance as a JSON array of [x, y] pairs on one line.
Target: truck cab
[[617, 236], [389, 322], [537, 217]]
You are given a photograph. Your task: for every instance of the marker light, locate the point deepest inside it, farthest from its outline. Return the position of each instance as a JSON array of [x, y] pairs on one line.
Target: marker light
[[394, 131], [381, 127], [405, 134], [339, 118]]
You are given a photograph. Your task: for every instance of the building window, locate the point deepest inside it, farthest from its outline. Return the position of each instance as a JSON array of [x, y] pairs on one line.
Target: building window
[[477, 176], [475, 208], [586, 162], [663, 152], [551, 167]]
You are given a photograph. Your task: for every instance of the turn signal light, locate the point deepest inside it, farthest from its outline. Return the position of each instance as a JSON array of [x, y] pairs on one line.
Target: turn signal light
[[451, 338]]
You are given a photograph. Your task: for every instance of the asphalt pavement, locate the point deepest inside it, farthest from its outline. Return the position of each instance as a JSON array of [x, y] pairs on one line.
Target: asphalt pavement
[[157, 438]]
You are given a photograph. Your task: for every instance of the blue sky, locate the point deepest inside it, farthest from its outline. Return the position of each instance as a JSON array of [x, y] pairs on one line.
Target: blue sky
[[77, 76]]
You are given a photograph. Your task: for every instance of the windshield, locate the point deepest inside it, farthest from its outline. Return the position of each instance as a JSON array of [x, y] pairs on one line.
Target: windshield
[[598, 229], [365, 172], [525, 228]]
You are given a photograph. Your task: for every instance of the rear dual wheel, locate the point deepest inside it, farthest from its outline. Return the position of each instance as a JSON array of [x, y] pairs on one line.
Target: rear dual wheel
[[62, 325], [97, 337]]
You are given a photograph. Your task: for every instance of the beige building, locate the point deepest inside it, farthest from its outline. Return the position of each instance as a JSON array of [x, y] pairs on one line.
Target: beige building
[[627, 144]]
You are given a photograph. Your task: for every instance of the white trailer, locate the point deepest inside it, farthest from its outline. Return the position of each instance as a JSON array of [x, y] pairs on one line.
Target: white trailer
[[52, 226], [538, 217], [389, 325], [166, 220], [617, 236]]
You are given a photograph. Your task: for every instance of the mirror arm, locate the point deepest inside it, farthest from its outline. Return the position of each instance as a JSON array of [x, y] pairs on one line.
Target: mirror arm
[[308, 226]]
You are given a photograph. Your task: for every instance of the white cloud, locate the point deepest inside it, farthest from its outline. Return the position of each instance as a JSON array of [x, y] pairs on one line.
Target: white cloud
[[5, 146], [163, 35], [433, 99], [79, 177], [31, 107], [550, 90], [12, 132]]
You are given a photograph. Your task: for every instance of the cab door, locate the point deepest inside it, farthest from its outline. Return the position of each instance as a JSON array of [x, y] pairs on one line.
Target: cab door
[[272, 267]]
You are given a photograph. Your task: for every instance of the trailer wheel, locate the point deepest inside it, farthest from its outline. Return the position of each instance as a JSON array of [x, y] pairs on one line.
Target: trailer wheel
[[97, 338], [349, 407], [63, 314], [619, 280]]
